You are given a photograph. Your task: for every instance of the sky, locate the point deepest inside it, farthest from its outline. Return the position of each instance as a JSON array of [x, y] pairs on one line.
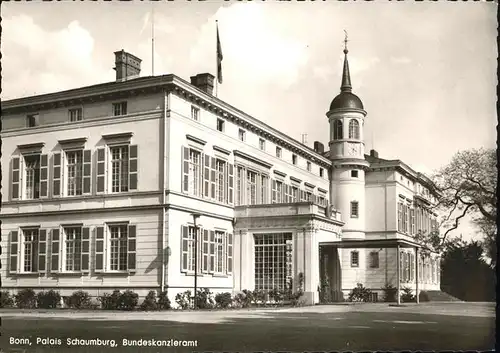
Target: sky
[[426, 72]]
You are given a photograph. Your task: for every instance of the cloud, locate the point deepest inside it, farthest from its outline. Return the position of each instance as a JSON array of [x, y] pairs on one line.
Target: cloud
[[52, 60], [400, 60], [323, 71], [161, 23], [254, 46]]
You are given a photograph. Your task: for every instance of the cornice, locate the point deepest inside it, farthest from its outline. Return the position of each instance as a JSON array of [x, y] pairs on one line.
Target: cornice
[[281, 174], [222, 150], [31, 146], [252, 159], [196, 139], [309, 185], [297, 180], [79, 140]]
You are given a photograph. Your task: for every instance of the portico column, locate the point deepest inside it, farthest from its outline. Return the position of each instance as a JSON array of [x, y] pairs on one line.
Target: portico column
[[310, 269], [416, 275], [398, 298]]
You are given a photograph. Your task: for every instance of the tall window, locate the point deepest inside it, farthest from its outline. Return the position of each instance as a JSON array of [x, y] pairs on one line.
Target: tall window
[[32, 182], [240, 178], [75, 114], [400, 216], [412, 220], [32, 120], [294, 158], [262, 144], [120, 108], [374, 259], [119, 168], [195, 112], [264, 189], [194, 172], [118, 246], [75, 172], [273, 261], [354, 209], [278, 152], [354, 258], [30, 250], [353, 129], [405, 218], [220, 167], [241, 134], [338, 133], [295, 194], [219, 252], [251, 188], [279, 192], [220, 125], [73, 248], [188, 236]]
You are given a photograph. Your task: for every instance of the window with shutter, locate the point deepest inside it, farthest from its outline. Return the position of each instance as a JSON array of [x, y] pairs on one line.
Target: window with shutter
[[273, 197], [30, 250], [85, 262], [14, 250], [184, 248], [229, 269], [44, 176], [56, 174], [212, 252], [54, 251], [131, 248], [99, 250], [206, 254], [101, 171], [133, 167], [72, 249], [31, 173], [206, 176], [16, 178], [42, 251], [213, 171], [185, 169], [87, 172], [230, 189]]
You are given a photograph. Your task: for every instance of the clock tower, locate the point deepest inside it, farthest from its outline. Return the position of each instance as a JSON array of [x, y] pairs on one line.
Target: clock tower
[[347, 152]]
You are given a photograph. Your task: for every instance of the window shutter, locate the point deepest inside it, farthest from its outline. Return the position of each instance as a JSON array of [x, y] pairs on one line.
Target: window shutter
[[85, 259], [87, 172], [131, 250], [56, 175], [212, 251], [15, 179], [230, 191], [185, 169], [273, 200], [205, 251], [99, 249], [229, 254], [132, 167], [54, 253], [14, 252], [101, 171], [212, 179], [44, 176], [184, 248], [206, 177], [42, 251], [199, 233]]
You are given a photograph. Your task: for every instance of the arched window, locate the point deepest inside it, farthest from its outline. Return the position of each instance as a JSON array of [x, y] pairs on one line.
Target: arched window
[[337, 130], [353, 129]]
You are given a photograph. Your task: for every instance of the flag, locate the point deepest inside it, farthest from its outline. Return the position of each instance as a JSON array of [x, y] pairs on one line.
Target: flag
[[219, 58]]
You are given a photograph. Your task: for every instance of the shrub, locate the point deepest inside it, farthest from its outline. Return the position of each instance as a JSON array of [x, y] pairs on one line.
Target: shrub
[[223, 300], [204, 299], [424, 296], [389, 293], [407, 295], [110, 301], [360, 294], [25, 299], [128, 300], [244, 299], [259, 297], [79, 300], [277, 296], [163, 301], [325, 293], [149, 302], [6, 300], [48, 300], [184, 299], [294, 296]]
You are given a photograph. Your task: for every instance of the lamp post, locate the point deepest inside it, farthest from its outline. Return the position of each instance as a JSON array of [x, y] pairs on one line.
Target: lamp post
[[195, 217]]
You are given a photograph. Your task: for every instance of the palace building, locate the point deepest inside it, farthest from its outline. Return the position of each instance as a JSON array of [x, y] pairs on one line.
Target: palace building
[[118, 185]]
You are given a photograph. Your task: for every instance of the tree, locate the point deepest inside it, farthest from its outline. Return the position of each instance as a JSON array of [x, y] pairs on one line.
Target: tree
[[467, 186]]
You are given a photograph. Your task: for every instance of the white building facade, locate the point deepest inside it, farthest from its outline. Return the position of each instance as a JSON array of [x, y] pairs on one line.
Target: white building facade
[[118, 185]]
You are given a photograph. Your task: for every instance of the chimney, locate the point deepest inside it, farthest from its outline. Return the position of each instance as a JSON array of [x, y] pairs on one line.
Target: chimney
[[127, 66], [205, 82], [373, 153], [318, 147]]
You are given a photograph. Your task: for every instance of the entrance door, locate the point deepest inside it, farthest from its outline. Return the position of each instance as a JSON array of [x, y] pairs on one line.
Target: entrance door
[[330, 275]]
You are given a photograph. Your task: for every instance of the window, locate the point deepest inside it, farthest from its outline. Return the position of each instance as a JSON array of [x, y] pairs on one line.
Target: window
[[251, 188], [240, 179], [354, 209], [119, 169], [75, 114], [278, 152], [118, 247], [400, 216], [308, 166], [195, 112], [412, 220], [194, 172], [321, 172], [295, 194], [220, 167], [338, 133], [188, 236], [354, 173], [322, 200], [120, 108], [273, 261], [30, 247], [73, 248], [32, 177], [294, 159], [308, 196], [241, 134], [219, 252], [262, 144], [220, 125], [353, 129], [277, 192], [374, 259], [32, 120], [264, 191], [354, 259], [75, 172]]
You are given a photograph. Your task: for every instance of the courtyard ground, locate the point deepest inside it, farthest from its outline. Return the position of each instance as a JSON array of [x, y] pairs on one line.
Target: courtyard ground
[[428, 326]]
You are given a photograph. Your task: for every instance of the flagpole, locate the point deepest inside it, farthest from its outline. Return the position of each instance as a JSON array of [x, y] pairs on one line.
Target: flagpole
[[153, 42], [216, 59]]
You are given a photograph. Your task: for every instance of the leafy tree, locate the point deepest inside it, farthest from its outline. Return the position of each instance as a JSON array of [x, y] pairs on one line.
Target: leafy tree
[[467, 186]]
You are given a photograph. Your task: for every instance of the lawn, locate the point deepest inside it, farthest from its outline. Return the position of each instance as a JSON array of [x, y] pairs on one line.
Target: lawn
[[292, 330]]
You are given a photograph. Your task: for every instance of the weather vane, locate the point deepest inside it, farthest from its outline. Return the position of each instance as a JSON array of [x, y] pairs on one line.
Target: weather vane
[[345, 42]]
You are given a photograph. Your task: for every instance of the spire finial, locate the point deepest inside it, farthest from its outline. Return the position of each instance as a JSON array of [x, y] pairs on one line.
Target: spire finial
[[345, 42]]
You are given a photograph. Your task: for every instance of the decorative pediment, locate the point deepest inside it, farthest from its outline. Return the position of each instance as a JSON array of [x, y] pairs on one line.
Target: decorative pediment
[[281, 174], [73, 143], [221, 150], [31, 147], [297, 180], [322, 190], [309, 185], [246, 158], [196, 140]]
